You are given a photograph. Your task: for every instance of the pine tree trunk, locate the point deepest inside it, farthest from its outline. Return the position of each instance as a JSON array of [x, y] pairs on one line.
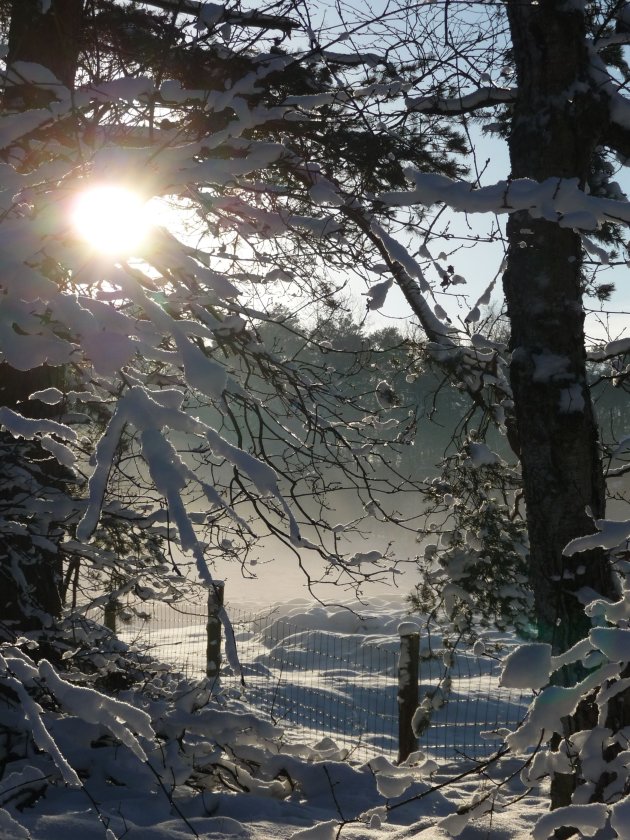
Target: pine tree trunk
[[558, 434], [30, 573], [555, 131], [554, 135]]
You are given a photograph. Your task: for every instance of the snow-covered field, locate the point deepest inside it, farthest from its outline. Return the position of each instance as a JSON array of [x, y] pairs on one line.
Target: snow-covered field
[[332, 671], [332, 798], [219, 768]]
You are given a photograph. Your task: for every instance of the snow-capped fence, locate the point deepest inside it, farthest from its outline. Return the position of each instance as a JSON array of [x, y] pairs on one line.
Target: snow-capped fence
[[323, 683]]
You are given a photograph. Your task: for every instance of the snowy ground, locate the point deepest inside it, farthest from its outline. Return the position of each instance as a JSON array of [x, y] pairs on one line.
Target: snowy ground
[[331, 798], [341, 793], [333, 672]]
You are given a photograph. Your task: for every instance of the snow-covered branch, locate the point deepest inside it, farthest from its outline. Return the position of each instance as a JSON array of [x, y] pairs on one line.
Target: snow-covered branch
[[485, 97], [555, 199]]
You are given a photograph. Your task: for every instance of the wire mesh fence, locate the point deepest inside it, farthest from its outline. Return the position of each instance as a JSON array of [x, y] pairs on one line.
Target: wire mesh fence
[[331, 685], [326, 684], [471, 715], [172, 632]]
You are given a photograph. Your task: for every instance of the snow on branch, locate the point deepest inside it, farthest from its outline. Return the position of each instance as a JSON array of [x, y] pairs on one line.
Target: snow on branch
[[590, 818], [555, 199], [485, 97], [413, 290], [610, 533], [120, 718], [552, 705], [151, 413], [354, 59], [28, 428], [41, 735]]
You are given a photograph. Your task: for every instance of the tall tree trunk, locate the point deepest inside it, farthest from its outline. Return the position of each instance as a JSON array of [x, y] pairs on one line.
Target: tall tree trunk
[[30, 570], [555, 130]]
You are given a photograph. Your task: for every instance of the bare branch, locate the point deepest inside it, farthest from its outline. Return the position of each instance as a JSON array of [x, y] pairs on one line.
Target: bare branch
[[252, 18]]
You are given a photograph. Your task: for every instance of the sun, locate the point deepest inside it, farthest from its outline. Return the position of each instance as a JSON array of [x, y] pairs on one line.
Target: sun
[[111, 219]]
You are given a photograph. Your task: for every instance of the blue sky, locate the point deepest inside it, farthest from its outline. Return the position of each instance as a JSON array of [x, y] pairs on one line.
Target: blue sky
[[478, 263]]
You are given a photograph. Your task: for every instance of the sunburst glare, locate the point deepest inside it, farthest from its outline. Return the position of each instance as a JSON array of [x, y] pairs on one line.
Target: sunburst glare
[[111, 219]]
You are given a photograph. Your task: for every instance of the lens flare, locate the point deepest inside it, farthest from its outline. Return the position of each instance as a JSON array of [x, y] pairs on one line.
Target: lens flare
[[113, 220]]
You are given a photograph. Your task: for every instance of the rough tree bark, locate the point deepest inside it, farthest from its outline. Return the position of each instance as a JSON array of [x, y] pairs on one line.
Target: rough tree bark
[[555, 131], [556, 126]]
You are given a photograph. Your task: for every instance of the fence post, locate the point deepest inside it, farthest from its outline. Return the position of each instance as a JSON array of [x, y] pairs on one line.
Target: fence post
[[213, 628], [407, 688], [110, 611]]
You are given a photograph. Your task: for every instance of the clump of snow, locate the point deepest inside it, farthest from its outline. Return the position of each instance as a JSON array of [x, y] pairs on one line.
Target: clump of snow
[[620, 818], [614, 642], [324, 192], [529, 666], [408, 628], [589, 819], [481, 455], [327, 830], [610, 533], [377, 294], [571, 399], [48, 395], [549, 366]]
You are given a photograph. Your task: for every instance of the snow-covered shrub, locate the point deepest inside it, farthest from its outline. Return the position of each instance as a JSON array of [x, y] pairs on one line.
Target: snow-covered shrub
[[578, 716], [476, 572]]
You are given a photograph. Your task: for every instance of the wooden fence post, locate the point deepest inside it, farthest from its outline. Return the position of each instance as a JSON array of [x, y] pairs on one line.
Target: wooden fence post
[[213, 629], [407, 688], [110, 611]]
